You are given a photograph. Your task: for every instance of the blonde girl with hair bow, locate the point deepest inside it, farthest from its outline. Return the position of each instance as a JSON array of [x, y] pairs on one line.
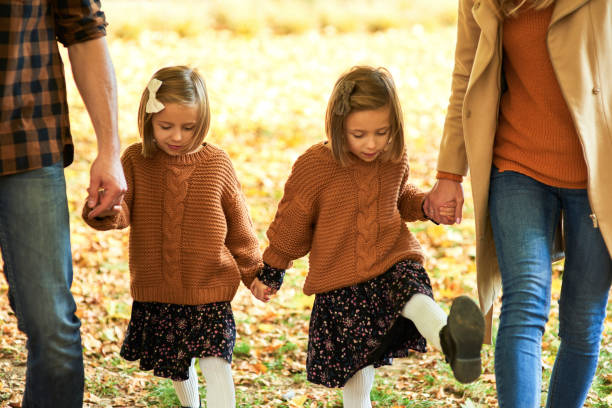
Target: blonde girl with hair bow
[[191, 241]]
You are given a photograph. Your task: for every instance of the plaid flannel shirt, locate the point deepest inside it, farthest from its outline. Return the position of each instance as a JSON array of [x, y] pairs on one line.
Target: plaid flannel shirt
[[34, 126]]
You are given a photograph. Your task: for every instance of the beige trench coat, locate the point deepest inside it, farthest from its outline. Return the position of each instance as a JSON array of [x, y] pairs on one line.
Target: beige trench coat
[[579, 42]]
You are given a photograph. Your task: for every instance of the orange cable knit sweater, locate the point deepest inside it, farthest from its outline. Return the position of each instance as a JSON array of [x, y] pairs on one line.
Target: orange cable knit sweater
[[351, 219], [191, 237], [536, 134]]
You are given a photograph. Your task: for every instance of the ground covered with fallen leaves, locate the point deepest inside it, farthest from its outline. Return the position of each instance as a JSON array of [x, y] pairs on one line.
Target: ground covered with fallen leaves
[[268, 95]]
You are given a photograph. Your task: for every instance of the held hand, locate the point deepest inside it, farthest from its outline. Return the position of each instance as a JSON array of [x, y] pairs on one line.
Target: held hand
[[261, 291], [107, 186], [116, 209], [444, 203], [448, 211]]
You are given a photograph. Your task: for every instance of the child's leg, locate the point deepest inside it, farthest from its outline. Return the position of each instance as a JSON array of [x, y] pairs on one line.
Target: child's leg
[[427, 316], [219, 383], [187, 391], [356, 392]]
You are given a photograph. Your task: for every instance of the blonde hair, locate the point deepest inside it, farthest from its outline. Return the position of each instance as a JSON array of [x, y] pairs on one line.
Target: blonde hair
[[363, 88], [181, 85], [510, 8]]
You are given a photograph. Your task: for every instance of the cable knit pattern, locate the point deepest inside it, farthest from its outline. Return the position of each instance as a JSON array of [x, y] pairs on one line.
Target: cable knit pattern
[[351, 219], [191, 237], [367, 229], [174, 208]]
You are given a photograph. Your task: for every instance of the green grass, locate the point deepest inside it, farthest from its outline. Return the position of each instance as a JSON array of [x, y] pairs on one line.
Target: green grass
[[103, 387], [603, 379], [162, 394], [242, 349]]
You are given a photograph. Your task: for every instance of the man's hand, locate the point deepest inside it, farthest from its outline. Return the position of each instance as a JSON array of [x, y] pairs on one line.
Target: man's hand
[[107, 187]]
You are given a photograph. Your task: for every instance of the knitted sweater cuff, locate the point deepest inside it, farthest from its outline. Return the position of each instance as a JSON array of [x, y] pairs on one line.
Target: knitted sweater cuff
[[449, 176], [271, 277], [276, 259], [412, 209], [249, 276]]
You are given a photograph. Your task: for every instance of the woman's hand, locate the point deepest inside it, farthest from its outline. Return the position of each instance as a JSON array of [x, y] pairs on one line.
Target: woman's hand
[[444, 203]]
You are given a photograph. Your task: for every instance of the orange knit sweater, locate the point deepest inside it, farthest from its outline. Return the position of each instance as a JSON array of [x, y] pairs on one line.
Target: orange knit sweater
[[191, 238], [536, 135], [351, 219]]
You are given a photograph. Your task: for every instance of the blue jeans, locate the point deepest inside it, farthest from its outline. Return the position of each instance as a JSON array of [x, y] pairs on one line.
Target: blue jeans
[[524, 214], [35, 243]]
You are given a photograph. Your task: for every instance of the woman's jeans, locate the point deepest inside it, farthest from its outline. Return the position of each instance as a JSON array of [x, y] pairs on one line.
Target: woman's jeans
[[35, 243], [524, 214]]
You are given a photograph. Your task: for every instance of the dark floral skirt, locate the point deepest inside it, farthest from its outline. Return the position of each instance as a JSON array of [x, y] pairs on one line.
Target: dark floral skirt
[[165, 337], [348, 324]]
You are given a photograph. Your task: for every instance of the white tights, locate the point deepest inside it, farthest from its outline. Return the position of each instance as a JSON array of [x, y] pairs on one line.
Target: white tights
[[427, 316], [356, 391], [219, 385]]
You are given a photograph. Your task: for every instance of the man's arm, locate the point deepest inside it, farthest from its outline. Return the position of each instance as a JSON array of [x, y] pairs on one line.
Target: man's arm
[[94, 76]]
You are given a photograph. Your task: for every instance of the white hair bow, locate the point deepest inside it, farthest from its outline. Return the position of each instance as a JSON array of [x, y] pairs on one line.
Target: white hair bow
[[153, 105]]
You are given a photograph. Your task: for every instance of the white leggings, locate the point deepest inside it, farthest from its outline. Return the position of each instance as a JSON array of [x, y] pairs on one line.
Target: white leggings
[[428, 318], [219, 385], [356, 391]]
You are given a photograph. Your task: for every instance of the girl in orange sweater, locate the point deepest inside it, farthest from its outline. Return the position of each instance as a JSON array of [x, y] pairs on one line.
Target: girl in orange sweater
[[191, 241], [346, 203]]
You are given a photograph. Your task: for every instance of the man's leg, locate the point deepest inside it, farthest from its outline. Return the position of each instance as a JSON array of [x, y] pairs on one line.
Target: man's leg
[[35, 243]]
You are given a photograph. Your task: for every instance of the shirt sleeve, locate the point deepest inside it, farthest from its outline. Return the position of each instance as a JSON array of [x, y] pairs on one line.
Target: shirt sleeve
[[271, 277], [78, 21]]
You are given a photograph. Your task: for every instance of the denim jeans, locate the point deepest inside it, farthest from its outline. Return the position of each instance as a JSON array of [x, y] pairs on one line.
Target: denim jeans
[[35, 243], [524, 214]]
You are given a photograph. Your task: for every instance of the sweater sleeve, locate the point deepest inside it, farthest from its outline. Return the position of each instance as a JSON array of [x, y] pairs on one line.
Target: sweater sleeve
[[290, 234], [410, 201], [122, 219], [441, 175], [241, 239]]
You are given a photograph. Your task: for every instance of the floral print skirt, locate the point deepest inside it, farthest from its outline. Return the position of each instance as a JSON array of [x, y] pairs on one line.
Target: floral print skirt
[[348, 324], [165, 337]]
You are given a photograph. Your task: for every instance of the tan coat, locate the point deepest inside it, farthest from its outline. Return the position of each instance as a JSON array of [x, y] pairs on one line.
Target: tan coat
[[579, 42]]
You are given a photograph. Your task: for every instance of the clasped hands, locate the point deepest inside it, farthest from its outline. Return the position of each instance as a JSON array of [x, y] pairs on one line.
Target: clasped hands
[[444, 203], [261, 291]]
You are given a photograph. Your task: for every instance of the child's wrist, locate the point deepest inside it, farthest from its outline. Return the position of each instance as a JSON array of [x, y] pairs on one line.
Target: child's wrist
[[425, 214]]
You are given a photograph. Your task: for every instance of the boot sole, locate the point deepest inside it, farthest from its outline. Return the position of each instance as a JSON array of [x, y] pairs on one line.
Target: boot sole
[[466, 328]]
